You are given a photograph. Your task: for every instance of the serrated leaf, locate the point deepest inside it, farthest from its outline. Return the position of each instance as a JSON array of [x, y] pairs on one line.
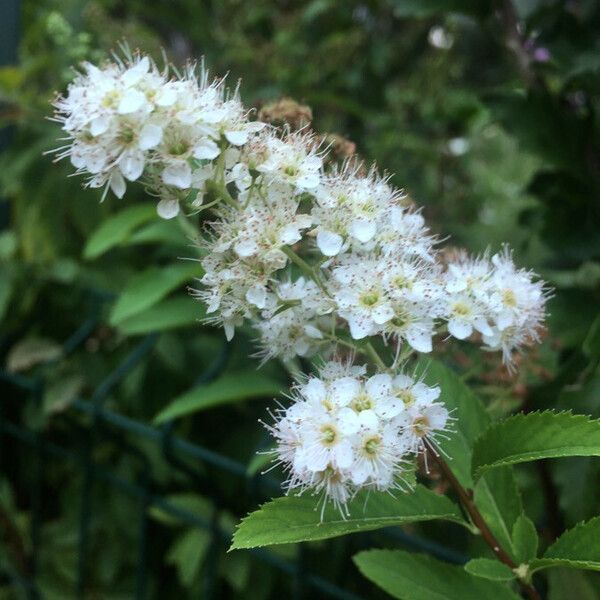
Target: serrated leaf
[[298, 518], [171, 313], [578, 548], [411, 576], [534, 436], [117, 229], [234, 387], [488, 568], [525, 539], [149, 287]]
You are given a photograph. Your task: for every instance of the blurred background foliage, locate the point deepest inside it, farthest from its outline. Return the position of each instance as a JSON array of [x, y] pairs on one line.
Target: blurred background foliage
[[486, 112]]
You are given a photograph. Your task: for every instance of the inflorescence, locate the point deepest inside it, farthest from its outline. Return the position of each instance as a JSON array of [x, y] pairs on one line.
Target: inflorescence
[[317, 258]]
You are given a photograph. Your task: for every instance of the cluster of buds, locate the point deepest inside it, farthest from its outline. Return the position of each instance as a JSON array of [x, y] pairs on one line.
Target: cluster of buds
[[318, 258]]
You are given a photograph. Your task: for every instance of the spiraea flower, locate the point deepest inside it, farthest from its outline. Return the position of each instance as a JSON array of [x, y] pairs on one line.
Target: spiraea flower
[[318, 259], [345, 431]]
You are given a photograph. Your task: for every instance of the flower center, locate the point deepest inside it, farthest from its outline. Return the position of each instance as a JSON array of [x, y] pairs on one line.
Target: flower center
[[362, 402], [111, 99], [461, 309], [178, 148], [420, 426], [509, 298], [406, 395], [328, 435], [371, 445], [370, 298], [291, 171]]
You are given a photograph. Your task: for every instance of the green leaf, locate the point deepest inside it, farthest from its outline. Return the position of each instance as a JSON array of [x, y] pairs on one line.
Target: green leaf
[[468, 412], [168, 314], [32, 351], [578, 548], [566, 584], [533, 436], [525, 539], [117, 229], [498, 500], [298, 518], [234, 387], [591, 344], [488, 568], [149, 287], [163, 232], [188, 553], [419, 577]]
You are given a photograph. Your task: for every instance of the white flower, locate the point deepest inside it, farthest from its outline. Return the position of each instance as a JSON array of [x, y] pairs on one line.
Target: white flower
[[293, 160], [344, 431], [360, 296]]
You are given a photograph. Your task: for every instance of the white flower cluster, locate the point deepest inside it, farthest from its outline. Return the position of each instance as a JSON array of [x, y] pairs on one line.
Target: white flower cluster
[[345, 431], [317, 258], [128, 120]]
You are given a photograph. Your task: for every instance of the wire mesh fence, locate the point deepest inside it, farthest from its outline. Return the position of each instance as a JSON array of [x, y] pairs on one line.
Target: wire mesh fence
[[92, 423]]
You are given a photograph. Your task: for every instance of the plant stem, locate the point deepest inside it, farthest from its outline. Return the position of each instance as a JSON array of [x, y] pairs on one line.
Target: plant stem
[[304, 267], [374, 356], [466, 498]]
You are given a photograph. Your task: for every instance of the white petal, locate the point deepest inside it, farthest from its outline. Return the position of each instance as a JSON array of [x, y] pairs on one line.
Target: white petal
[[150, 136], [290, 234], [348, 421], [419, 339], [312, 332], [257, 295], [206, 149], [166, 97], [343, 454], [237, 138], [329, 243], [245, 247], [437, 416], [344, 390], [99, 125], [179, 175], [362, 229], [167, 209], [229, 330], [135, 73], [382, 314], [131, 101], [117, 184], [131, 164], [459, 329], [314, 391], [359, 327], [379, 385]]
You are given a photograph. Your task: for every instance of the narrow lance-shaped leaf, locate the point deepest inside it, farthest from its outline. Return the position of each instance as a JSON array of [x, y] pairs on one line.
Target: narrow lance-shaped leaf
[[411, 576], [524, 438], [298, 519], [151, 286], [578, 548], [117, 229], [171, 313], [233, 387]]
